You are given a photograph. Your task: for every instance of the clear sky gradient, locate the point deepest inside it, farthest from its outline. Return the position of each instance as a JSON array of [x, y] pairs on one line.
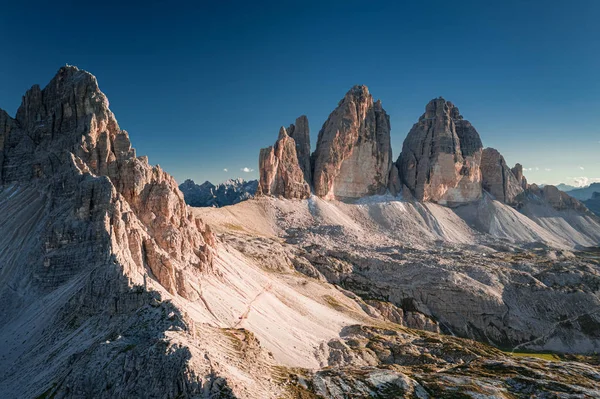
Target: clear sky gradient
[[201, 87]]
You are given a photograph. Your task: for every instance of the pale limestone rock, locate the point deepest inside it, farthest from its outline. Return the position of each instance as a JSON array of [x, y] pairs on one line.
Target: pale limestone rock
[[300, 132], [67, 128], [353, 155], [440, 157], [498, 179], [280, 172]]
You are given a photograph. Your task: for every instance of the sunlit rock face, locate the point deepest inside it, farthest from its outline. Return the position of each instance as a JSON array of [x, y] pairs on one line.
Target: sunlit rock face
[[353, 155], [441, 156], [280, 172], [66, 141], [300, 132], [498, 178]]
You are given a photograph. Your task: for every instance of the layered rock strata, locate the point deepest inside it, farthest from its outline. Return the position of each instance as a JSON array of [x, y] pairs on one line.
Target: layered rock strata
[[65, 139], [353, 156], [441, 156], [280, 172], [300, 132], [498, 178]]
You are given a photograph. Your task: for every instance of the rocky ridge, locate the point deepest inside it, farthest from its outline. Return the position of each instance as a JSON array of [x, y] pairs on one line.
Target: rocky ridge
[[113, 287], [442, 159], [227, 193]]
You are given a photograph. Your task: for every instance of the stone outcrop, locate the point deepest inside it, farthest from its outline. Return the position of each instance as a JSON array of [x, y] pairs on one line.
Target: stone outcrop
[[67, 142], [498, 179], [301, 135], [441, 156], [353, 156], [517, 171], [280, 172], [559, 200]]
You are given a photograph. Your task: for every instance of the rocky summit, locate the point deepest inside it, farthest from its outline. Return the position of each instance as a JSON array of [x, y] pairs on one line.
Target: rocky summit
[[441, 156], [300, 132], [498, 178], [466, 282], [280, 171], [353, 155]]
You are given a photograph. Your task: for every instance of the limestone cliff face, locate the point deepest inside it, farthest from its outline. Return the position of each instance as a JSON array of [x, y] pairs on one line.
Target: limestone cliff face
[[441, 156], [353, 155], [66, 141], [280, 172], [498, 178], [301, 135]]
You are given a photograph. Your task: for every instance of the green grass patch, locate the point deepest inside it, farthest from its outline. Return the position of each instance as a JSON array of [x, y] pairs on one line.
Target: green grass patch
[[543, 356]]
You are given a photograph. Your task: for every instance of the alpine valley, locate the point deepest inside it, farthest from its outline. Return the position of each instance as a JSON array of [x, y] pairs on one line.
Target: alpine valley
[[342, 273]]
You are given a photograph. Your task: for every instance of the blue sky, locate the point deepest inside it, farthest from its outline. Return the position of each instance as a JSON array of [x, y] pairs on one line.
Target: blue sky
[[201, 87]]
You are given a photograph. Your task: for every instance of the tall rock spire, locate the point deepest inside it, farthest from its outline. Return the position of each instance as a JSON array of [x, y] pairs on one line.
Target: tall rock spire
[[353, 157], [498, 179], [441, 156], [300, 132], [65, 139], [280, 171]]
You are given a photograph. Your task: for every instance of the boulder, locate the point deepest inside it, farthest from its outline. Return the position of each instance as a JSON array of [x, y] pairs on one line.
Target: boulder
[[498, 178], [441, 156], [353, 155]]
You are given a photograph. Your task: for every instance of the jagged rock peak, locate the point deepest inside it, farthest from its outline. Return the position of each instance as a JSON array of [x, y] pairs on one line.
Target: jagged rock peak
[[66, 140], [517, 171], [498, 178], [300, 132], [280, 171], [229, 192], [441, 156], [353, 156]]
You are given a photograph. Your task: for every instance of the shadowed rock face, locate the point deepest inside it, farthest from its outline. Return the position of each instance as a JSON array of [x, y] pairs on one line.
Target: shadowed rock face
[[441, 156], [559, 200], [301, 135], [280, 172], [518, 173], [353, 155], [65, 134], [498, 179]]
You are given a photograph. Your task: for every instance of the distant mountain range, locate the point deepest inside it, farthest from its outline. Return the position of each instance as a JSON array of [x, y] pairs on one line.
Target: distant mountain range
[[584, 193], [209, 195], [593, 204], [565, 187]]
